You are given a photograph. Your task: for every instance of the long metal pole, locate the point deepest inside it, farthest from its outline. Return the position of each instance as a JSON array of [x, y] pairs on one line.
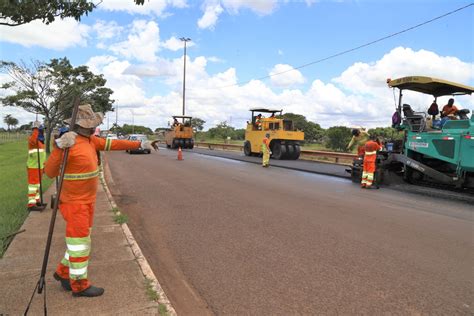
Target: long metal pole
[[184, 75]]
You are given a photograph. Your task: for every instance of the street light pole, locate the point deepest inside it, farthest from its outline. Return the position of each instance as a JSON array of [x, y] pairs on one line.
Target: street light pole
[[184, 39]]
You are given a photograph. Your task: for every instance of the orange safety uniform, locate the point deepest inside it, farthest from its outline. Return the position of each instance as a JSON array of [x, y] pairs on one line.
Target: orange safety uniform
[[77, 201], [449, 110], [266, 152], [34, 174], [370, 157]]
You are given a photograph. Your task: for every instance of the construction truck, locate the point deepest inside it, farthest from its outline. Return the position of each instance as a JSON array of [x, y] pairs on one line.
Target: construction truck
[[180, 133], [284, 138], [430, 153]]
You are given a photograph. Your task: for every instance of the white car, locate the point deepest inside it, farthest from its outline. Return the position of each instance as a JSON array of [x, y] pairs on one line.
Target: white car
[[139, 137]]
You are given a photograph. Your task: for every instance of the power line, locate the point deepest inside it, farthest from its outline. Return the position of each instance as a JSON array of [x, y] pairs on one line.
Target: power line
[[352, 49]]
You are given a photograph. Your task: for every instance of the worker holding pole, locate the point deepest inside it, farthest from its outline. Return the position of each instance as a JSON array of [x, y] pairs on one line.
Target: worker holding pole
[[78, 194], [266, 150], [35, 163]]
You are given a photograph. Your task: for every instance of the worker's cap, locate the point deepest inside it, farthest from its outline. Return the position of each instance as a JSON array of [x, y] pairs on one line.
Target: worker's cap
[[36, 124], [267, 135], [86, 117]]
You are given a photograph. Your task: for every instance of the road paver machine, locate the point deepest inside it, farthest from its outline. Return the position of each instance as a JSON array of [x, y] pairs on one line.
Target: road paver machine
[[430, 153], [284, 138]]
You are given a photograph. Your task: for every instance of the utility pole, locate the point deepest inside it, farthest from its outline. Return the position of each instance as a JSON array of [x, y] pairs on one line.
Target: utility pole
[[133, 122], [185, 40], [116, 118]]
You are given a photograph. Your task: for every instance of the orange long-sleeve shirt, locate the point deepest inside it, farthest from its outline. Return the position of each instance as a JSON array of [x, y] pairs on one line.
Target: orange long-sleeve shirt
[[82, 162], [33, 142]]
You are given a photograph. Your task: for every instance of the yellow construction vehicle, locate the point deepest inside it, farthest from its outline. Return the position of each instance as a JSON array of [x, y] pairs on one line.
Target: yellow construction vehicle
[[284, 138], [180, 133]]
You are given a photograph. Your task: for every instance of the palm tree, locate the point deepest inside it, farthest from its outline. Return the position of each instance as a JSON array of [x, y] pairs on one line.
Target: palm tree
[[10, 121]]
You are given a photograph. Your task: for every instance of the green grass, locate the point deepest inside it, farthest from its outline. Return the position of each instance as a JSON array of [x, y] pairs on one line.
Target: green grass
[[162, 310], [150, 291], [119, 217], [13, 189]]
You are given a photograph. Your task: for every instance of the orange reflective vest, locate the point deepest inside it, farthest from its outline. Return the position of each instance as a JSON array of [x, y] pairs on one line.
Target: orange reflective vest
[[81, 175], [35, 146]]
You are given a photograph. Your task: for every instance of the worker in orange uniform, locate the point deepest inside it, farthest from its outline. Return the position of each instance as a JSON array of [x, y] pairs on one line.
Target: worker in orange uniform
[[266, 150], [36, 158], [359, 138], [258, 121], [78, 195], [370, 158]]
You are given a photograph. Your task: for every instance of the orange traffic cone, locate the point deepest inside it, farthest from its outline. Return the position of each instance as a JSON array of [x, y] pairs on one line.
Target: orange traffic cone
[[180, 154]]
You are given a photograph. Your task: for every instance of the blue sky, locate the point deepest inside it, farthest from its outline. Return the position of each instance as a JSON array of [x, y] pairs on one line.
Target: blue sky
[[237, 41]]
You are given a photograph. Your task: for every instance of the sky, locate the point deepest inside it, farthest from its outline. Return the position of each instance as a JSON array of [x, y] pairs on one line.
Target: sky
[[247, 53]]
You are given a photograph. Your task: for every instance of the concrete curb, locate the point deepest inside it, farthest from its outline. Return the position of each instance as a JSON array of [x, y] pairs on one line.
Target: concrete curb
[[141, 260]]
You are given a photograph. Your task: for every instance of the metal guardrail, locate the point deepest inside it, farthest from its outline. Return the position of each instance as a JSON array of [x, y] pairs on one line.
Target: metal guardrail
[[305, 154]]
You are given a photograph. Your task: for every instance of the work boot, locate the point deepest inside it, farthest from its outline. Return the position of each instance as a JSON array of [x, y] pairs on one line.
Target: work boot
[[64, 282], [35, 208], [91, 291]]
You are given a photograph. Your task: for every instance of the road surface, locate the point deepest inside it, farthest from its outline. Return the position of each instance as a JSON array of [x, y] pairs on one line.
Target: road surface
[[230, 237]]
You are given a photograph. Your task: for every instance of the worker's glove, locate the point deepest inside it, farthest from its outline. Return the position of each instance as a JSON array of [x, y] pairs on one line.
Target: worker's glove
[[67, 140], [270, 152], [146, 144], [40, 137]]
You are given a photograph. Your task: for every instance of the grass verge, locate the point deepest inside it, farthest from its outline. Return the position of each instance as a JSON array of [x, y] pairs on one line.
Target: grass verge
[[13, 189], [119, 217]]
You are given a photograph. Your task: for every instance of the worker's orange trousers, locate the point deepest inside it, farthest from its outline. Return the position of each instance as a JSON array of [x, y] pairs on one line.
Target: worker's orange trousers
[[34, 179], [73, 266], [368, 170]]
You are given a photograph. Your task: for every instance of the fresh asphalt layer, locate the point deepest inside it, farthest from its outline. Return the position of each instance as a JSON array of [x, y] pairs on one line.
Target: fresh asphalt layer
[[341, 171], [229, 237]]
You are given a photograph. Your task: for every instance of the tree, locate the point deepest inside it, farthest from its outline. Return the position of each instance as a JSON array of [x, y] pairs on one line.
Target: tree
[[222, 130], [136, 129], [197, 124], [10, 121], [18, 12], [312, 131], [26, 127], [49, 89], [338, 137], [387, 133]]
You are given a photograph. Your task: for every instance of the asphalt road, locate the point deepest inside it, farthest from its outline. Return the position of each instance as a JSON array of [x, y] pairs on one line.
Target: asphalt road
[[230, 237]]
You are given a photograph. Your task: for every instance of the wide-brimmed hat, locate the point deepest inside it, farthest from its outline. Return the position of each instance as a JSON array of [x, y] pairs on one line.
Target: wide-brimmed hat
[[86, 117]]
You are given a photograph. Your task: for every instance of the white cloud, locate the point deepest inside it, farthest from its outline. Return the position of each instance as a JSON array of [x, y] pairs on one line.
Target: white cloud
[[285, 76], [175, 44], [359, 96], [106, 30], [58, 35], [142, 43], [127, 88], [212, 10], [150, 7], [262, 7]]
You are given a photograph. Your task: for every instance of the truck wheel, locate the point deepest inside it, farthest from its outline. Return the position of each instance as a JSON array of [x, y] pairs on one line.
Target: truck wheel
[[181, 143], [290, 151], [278, 151], [297, 152], [247, 148], [187, 143], [191, 143], [175, 143]]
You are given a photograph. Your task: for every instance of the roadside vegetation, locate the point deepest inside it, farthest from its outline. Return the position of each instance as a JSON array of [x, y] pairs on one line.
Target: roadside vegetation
[[13, 189]]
